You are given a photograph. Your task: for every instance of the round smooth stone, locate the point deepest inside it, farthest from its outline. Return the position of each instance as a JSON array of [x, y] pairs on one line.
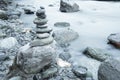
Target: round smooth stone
[[45, 30], [42, 36], [39, 21], [41, 42]]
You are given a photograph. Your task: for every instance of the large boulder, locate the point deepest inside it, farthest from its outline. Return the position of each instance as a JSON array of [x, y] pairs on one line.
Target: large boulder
[[65, 36], [33, 59], [109, 70], [114, 39], [96, 53], [67, 6]]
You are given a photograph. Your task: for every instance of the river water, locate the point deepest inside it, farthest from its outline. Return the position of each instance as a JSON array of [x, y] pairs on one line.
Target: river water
[[94, 22]]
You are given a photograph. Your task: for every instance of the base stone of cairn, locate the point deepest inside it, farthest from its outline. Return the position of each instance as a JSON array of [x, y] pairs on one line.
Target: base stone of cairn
[[35, 56]]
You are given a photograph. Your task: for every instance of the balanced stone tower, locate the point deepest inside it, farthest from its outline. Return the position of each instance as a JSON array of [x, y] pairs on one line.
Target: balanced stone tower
[[36, 55], [42, 31]]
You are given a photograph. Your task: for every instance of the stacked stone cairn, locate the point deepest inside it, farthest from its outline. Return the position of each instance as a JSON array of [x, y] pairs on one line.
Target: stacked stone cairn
[[42, 31], [37, 55]]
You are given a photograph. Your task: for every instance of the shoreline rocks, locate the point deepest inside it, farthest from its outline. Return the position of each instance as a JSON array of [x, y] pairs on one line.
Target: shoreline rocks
[[109, 70], [67, 6]]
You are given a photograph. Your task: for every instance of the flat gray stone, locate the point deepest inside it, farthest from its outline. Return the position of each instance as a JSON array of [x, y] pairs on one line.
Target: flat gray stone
[[41, 26], [42, 36], [62, 24], [41, 42], [96, 53], [40, 21], [45, 30]]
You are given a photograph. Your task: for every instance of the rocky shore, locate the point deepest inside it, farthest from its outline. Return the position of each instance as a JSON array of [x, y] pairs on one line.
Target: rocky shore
[[42, 52]]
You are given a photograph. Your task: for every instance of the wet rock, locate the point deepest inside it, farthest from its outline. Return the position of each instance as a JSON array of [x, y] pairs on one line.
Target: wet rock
[[41, 42], [28, 11], [80, 71], [114, 39], [67, 6], [65, 36], [96, 53], [109, 70], [62, 24], [49, 72], [8, 42], [65, 56], [3, 15], [16, 78]]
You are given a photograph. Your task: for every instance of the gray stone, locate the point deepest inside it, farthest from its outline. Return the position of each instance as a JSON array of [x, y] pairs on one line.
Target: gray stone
[[64, 36], [62, 24], [80, 71], [42, 36], [39, 21], [67, 6], [114, 39], [49, 72], [109, 70], [45, 30], [8, 42], [41, 26], [33, 59], [16, 78], [41, 42], [65, 56], [96, 53], [28, 11]]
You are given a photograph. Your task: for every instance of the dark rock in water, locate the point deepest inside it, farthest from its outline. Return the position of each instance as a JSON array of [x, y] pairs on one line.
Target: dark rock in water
[[80, 71], [67, 6], [114, 39], [62, 24], [96, 53], [109, 70], [28, 11], [65, 56]]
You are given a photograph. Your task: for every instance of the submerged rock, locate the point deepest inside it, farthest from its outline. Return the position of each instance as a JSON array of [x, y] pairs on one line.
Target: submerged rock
[[109, 70], [62, 24], [67, 6], [16, 78], [65, 56], [114, 39], [96, 53]]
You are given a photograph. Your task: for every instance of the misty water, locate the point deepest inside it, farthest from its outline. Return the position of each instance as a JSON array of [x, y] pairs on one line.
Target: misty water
[[94, 22]]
